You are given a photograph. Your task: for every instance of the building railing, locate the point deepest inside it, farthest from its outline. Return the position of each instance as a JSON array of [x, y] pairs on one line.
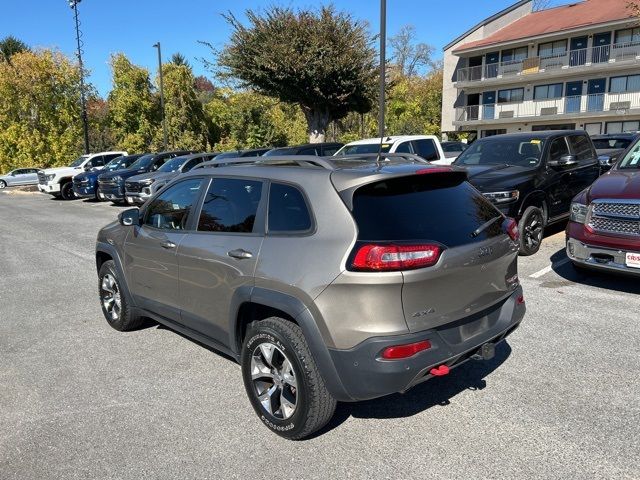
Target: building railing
[[571, 105], [617, 52]]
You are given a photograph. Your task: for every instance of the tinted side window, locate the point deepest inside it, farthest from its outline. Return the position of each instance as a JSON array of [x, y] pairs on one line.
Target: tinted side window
[[230, 205], [558, 149], [288, 211], [581, 147], [426, 149], [328, 151], [191, 163], [97, 161], [170, 210], [404, 147], [111, 156], [308, 151]]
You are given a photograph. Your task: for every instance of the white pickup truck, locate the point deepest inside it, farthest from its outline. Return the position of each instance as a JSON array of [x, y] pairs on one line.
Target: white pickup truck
[[57, 181], [425, 146]]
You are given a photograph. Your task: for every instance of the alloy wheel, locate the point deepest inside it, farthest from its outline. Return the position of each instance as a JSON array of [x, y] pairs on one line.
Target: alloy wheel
[[2, 184], [110, 297], [533, 231], [274, 381]]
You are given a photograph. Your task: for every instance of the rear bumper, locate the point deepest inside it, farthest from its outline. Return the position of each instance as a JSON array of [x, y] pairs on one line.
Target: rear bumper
[[365, 375], [112, 192], [52, 188]]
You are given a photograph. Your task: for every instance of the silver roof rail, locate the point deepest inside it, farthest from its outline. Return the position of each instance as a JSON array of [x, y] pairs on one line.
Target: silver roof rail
[[282, 160]]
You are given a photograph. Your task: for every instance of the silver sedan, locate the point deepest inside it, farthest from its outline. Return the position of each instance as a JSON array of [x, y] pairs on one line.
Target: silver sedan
[[20, 176]]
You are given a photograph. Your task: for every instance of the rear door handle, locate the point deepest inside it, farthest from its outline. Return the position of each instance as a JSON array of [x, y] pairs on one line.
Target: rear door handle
[[168, 245], [240, 253]]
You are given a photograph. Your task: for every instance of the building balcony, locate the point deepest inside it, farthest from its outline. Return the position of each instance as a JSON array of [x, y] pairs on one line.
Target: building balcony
[[596, 105], [602, 58]]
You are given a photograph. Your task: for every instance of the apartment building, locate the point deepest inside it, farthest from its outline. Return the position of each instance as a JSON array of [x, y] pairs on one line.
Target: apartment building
[[575, 66]]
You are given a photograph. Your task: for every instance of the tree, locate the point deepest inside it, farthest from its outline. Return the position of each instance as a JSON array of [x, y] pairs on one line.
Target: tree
[[184, 114], [101, 137], [180, 59], [9, 46], [322, 60], [39, 110], [204, 89], [133, 110], [410, 58]]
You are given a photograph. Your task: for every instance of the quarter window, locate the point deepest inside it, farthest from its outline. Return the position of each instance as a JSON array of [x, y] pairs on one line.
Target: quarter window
[[170, 210], [512, 95], [288, 210], [543, 92], [230, 206]]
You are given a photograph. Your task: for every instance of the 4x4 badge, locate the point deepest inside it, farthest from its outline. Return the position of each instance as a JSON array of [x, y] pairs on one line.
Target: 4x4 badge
[[484, 251]]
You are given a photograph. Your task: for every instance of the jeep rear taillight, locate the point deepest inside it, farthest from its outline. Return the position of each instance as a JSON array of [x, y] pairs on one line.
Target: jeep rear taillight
[[380, 258], [512, 229]]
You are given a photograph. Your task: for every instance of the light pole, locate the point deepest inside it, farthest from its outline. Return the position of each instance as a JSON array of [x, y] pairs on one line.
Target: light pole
[[383, 45], [83, 102], [164, 121]]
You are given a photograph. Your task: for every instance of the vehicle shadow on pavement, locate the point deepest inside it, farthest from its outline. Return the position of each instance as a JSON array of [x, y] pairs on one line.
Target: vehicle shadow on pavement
[[592, 278], [434, 392]]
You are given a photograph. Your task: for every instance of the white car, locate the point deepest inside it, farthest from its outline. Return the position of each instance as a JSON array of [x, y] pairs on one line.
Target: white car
[[425, 146], [57, 181]]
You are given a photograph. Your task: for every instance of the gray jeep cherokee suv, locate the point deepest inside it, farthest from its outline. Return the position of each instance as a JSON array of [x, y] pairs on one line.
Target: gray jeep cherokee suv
[[326, 280]]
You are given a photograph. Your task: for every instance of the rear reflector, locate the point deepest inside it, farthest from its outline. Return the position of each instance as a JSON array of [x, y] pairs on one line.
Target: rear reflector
[[440, 371], [512, 229], [377, 258], [520, 300], [398, 352]]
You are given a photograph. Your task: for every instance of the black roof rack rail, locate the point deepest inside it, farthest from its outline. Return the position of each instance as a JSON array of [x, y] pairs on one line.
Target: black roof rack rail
[[299, 160]]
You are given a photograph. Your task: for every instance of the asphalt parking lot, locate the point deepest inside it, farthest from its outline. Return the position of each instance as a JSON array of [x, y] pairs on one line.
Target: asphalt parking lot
[[561, 399]]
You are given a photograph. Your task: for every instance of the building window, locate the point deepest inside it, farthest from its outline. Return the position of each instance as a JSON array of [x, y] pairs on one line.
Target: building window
[[543, 92], [511, 95], [552, 49], [622, 127], [629, 83], [628, 35], [514, 54], [491, 133]]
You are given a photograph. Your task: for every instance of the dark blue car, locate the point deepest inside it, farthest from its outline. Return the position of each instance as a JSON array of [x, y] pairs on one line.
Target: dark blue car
[[85, 185]]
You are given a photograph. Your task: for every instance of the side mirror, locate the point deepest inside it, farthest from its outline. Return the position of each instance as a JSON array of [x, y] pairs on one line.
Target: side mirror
[[129, 217], [564, 161]]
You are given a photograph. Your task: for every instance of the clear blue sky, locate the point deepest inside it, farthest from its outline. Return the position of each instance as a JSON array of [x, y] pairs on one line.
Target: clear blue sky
[[133, 26]]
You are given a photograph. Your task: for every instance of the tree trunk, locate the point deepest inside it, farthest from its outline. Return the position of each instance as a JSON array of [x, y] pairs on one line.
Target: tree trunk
[[317, 122]]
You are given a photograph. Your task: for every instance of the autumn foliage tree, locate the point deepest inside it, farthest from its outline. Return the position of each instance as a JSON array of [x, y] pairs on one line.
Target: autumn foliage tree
[[322, 60]]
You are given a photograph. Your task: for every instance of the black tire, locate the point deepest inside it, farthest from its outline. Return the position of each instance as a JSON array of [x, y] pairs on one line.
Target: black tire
[[125, 319], [66, 191], [314, 405], [3, 184], [531, 228]]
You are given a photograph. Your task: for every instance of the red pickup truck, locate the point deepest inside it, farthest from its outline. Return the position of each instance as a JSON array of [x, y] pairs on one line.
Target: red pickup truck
[[603, 232]]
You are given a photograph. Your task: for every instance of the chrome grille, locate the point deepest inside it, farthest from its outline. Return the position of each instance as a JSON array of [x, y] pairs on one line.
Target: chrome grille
[[631, 210], [616, 225], [133, 187], [107, 181]]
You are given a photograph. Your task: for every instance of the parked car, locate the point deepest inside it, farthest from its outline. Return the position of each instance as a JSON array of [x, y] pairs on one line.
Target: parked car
[[532, 176], [139, 188], [425, 146], [59, 181], [254, 152], [453, 149], [609, 147], [603, 232], [325, 149], [19, 176], [111, 184], [85, 185], [285, 266]]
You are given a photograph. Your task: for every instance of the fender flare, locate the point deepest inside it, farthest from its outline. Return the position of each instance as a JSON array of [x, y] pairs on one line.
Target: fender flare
[[297, 310], [110, 250]]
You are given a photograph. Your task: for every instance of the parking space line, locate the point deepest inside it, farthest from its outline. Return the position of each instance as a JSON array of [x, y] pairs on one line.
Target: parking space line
[[547, 269]]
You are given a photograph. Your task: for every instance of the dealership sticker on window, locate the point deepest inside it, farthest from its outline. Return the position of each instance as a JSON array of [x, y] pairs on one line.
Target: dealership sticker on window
[[633, 260], [536, 142]]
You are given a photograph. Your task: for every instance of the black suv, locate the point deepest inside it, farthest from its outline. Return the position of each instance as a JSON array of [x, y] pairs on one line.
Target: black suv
[[111, 184], [325, 149], [532, 176]]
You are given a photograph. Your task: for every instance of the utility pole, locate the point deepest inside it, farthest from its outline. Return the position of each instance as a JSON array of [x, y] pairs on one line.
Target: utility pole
[[83, 101], [164, 120], [383, 60]]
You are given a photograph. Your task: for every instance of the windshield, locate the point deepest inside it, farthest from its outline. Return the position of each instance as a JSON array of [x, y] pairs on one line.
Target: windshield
[[503, 151], [610, 143], [79, 161], [142, 162], [632, 159], [363, 148], [172, 165]]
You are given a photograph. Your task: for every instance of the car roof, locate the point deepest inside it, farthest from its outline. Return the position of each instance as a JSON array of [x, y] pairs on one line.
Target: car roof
[[391, 139], [628, 135], [544, 134]]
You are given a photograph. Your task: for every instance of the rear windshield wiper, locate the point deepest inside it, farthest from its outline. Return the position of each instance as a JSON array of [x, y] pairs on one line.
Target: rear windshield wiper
[[484, 226]]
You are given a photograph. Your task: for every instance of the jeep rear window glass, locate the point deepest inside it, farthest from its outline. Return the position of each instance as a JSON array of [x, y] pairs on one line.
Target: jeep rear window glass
[[518, 151], [631, 159], [230, 206], [364, 148], [432, 207], [288, 210]]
